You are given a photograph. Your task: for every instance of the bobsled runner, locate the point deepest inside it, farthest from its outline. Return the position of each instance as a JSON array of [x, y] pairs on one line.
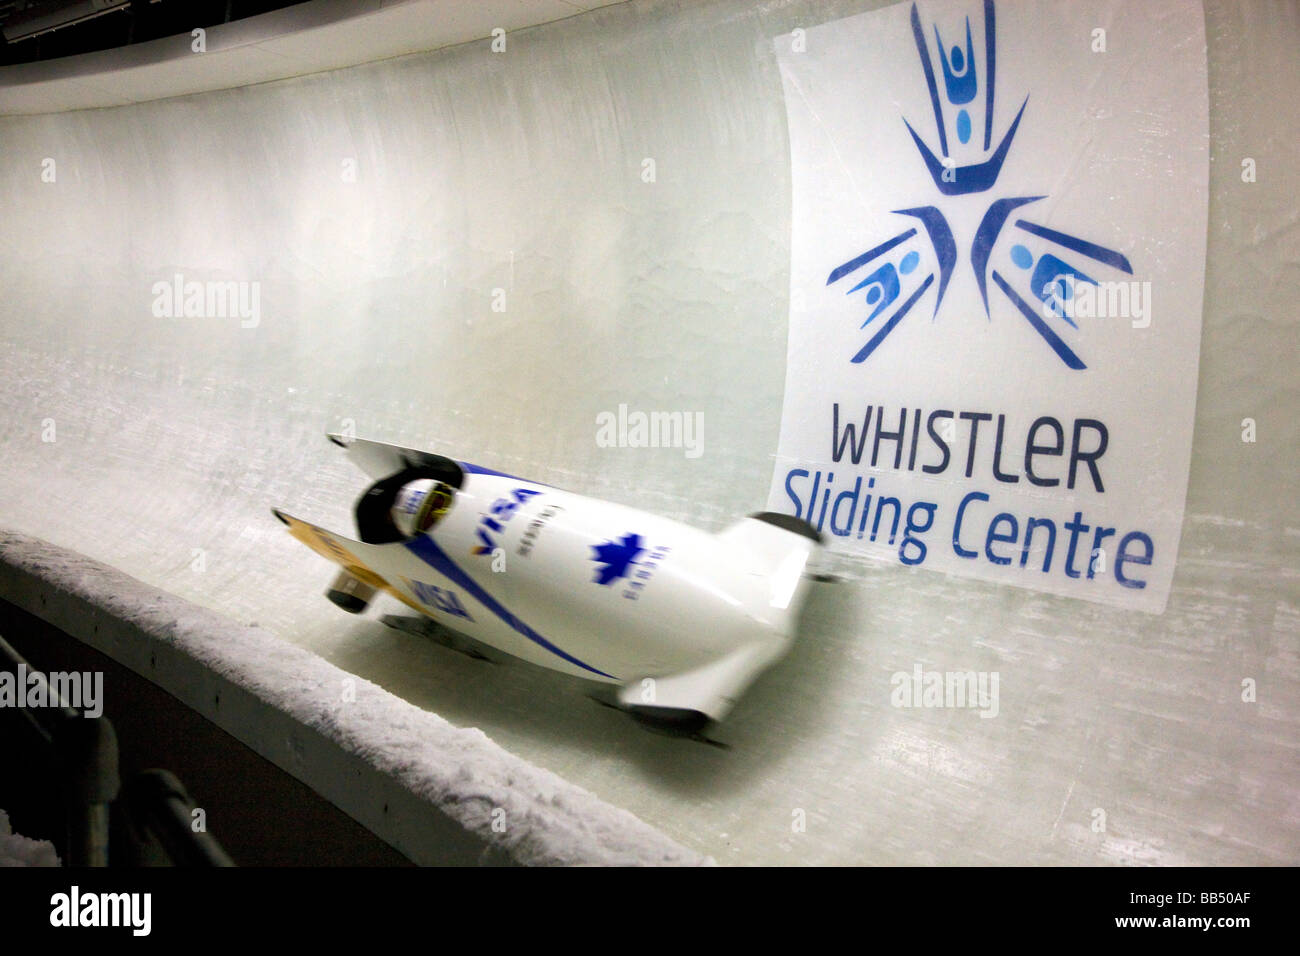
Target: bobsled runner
[[674, 621]]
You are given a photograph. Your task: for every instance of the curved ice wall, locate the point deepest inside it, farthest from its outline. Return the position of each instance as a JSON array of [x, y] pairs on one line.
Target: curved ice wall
[[461, 251]]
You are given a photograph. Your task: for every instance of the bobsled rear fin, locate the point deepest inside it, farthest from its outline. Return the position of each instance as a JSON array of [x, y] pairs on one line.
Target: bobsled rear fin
[[379, 460], [340, 550], [790, 523], [772, 565], [768, 542], [770, 552], [349, 555], [686, 701]]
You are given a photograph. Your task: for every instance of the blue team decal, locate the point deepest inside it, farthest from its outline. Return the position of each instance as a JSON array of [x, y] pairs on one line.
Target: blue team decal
[[492, 524], [627, 558], [614, 559], [1036, 258], [442, 599], [424, 548]]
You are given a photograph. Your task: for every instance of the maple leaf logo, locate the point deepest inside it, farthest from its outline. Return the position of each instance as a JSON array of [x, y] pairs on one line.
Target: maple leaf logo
[[616, 557]]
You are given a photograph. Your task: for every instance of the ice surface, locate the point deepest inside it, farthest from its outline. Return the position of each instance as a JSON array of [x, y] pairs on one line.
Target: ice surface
[[523, 172]]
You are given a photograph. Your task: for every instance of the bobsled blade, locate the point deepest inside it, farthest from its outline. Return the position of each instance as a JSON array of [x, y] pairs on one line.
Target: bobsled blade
[[431, 629], [605, 699], [601, 696]]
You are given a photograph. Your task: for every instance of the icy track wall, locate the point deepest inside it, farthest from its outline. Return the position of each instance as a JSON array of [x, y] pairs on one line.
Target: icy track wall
[[385, 209]]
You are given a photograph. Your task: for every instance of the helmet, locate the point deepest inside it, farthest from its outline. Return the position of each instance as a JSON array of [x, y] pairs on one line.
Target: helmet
[[419, 504]]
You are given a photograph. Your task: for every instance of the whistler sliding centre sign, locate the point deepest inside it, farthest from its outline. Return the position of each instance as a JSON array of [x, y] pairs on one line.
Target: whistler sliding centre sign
[[997, 267]]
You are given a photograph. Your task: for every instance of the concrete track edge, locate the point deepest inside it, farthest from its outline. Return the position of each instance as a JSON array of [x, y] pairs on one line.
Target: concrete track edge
[[438, 794]]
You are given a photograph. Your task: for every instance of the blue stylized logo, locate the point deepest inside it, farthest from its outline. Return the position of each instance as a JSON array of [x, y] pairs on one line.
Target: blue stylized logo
[[492, 525], [616, 558], [905, 267], [442, 599]]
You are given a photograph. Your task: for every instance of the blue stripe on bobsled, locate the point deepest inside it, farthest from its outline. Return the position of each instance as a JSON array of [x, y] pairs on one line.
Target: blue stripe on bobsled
[[474, 469], [424, 548]]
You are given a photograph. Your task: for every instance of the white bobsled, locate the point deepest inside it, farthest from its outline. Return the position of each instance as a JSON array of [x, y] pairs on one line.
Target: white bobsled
[[682, 621]]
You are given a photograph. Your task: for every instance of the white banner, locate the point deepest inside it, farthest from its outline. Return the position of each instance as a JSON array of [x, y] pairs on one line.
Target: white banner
[[998, 255]]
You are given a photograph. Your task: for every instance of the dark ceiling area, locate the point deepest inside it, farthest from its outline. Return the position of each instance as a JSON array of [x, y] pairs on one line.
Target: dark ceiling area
[[35, 30]]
